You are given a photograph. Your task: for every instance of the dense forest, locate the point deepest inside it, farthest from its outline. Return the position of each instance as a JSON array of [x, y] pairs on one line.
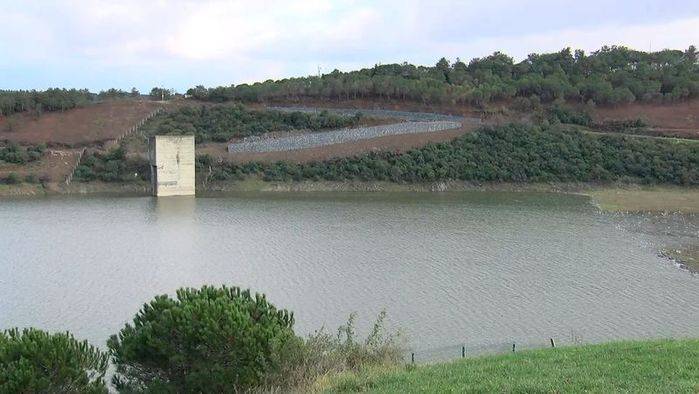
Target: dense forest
[[609, 76], [512, 153], [222, 123]]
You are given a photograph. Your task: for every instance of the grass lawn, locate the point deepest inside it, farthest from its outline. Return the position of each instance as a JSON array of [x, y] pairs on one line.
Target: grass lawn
[[667, 366]]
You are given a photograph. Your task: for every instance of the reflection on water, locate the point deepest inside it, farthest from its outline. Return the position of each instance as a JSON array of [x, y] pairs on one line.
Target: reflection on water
[[173, 207], [474, 267]]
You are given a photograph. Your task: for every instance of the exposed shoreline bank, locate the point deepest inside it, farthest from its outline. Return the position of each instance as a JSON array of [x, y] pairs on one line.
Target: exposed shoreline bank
[[607, 197]]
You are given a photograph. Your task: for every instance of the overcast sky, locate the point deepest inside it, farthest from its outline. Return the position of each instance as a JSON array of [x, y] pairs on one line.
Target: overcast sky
[[181, 43]]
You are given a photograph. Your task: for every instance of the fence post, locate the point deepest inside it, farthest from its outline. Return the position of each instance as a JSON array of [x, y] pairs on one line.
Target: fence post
[[513, 348], [463, 351], [553, 344]]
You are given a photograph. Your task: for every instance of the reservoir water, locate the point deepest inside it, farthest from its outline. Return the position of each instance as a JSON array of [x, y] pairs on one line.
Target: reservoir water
[[478, 268]]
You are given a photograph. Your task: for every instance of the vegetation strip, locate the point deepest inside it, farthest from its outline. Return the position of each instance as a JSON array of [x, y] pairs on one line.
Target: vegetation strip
[[512, 153]]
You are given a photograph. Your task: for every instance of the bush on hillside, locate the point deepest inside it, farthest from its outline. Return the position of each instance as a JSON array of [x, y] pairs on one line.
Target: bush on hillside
[[34, 361], [222, 123], [12, 179], [204, 340], [13, 153], [512, 153], [112, 166]]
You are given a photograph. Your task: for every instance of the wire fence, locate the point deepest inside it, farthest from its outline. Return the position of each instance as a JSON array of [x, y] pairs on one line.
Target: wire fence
[[465, 350]]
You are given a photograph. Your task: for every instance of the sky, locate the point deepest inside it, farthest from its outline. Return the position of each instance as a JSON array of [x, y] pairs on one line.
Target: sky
[[98, 44]]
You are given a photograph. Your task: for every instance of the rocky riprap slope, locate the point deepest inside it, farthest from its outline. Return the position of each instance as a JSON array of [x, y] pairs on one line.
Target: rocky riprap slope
[[412, 122]]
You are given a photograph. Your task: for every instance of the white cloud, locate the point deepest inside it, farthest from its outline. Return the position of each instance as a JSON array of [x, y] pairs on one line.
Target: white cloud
[[243, 41], [677, 34]]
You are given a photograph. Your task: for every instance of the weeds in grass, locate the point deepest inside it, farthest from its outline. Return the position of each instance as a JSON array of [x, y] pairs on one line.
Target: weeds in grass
[[322, 353]]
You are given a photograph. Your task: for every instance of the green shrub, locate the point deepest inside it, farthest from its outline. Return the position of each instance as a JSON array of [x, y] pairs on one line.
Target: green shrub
[[204, 340], [323, 353], [34, 361], [558, 113], [12, 179], [112, 166], [14, 154]]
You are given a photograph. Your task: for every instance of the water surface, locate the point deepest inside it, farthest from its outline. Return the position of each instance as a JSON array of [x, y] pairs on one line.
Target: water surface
[[465, 267]]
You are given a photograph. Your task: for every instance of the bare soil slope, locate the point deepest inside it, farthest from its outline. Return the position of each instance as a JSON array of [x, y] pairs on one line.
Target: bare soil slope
[[84, 126], [677, 120]]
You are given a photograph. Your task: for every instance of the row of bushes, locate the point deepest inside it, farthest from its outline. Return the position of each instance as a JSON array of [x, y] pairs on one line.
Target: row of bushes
[[213, 339], [512, 153], [112, 166], [57, 99], [222, 123], [12, 101], [13, 153], [13, 178]]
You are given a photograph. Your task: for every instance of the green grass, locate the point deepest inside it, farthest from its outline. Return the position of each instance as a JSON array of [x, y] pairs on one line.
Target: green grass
[[637, 367]]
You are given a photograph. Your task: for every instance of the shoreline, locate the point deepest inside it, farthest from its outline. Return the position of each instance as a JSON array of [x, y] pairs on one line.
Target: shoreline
[[612, 197], [608, 198]]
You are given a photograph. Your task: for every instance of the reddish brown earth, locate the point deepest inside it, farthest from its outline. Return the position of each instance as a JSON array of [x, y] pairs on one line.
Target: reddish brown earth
[[672, 120], [78, 127], [391, 143]]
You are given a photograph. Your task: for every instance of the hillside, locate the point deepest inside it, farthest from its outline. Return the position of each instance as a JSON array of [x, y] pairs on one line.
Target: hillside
[[84, 126], [636, 367], [614, 90], [60, 136]]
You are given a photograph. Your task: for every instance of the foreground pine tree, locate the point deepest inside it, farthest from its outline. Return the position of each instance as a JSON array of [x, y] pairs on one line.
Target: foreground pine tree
[[204, 340], [34, 361]]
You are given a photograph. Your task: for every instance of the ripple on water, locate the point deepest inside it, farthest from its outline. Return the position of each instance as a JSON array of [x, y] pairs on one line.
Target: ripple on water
[[480, 268]]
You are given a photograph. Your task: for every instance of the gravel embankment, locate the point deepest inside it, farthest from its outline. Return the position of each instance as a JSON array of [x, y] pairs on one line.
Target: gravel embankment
[[310, 140], [414, 122]]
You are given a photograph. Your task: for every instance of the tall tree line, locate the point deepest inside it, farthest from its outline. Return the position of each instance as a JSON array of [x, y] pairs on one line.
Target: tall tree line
[[55, 99], [609, 76]]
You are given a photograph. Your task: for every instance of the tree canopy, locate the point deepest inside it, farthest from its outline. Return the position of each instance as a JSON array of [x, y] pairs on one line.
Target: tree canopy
[[609, 76], [213, 339], [13, 101], [34, 361]]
